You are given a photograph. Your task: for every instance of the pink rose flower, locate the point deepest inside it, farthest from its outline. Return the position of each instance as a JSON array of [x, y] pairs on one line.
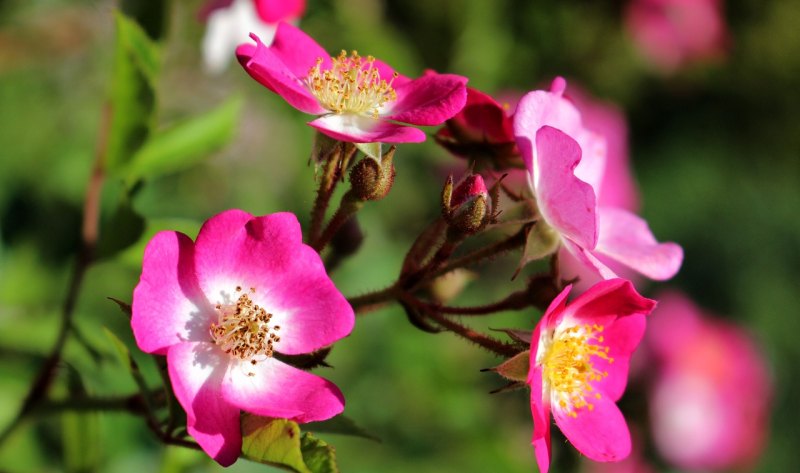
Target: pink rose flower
[[702, 418], [673, 33], [566, 164], [219, 308], [579, 368], [358, 99], [229, 22]]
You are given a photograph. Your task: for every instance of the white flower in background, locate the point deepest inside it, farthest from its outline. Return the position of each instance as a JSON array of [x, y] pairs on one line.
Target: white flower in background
[[230, 22]]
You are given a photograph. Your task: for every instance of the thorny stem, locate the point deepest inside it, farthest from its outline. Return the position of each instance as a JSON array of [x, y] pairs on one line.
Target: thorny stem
[[484, 341], [487, 252], [89, 233], [349, 206], [370, 301], [335, 159], [514, 301]]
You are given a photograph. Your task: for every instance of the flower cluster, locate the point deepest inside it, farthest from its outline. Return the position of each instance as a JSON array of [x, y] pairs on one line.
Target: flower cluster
[[228, 308]]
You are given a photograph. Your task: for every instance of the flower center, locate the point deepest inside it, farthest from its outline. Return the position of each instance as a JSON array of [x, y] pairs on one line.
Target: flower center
[[351, 85], [567, 366], [242, 329]]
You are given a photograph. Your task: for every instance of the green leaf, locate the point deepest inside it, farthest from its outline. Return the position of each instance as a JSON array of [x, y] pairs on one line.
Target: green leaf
[[82, 441], [278, 442], [133, 98], [318, 456], [185, 143], [341, 425], [151, 14], [275, 442], [541, 241], [373, 150], [81, 437]]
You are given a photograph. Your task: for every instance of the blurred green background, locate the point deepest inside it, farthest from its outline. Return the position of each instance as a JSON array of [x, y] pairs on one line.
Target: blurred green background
[[716, 150]]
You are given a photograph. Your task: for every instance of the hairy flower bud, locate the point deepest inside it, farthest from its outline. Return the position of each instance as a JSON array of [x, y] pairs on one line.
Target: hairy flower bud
[[466, 207], [372, 179]]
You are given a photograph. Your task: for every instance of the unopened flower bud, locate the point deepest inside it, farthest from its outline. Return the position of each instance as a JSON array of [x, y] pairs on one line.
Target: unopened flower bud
[[372, 179], [466, 207]]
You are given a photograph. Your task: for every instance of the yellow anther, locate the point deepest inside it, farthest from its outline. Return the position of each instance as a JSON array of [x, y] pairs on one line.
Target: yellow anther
[[568, 366], [242, 328], [351, 85]]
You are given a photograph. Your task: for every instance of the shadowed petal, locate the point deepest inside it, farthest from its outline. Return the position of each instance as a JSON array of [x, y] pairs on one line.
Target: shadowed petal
[[566, 202], [359, 129], [537, 109], [196, 371], [428, 100], [540, 409], [626, 238], [274, 389], [601, 433], [622, 336], [167, 302]]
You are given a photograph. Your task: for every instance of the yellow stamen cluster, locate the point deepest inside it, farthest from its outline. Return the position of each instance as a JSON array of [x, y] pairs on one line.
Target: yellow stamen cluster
[[567, 366], [352, 85], [243, 330]]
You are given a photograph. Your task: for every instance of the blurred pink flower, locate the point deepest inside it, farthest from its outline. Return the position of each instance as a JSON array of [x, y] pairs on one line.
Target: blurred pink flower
[[358, 99], [220, 307], [579, 368], [710, 403], [566, 163], [673, 33], [229, 22]]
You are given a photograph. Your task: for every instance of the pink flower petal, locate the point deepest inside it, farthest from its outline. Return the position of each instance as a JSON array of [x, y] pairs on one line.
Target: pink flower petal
[[297, 50], [607, 301], [626, 238], [601, 433], [196, 370], [622, 337], [273, 11], [537, 109], [428, 100], [289, 280], [594, 270], [168, 305], [540, 409], [266, 66], [360, 129], [274, 389], [616, 306], [566, 202]]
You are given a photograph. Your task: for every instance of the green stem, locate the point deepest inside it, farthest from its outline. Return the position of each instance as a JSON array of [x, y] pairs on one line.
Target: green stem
[[89, 234]]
